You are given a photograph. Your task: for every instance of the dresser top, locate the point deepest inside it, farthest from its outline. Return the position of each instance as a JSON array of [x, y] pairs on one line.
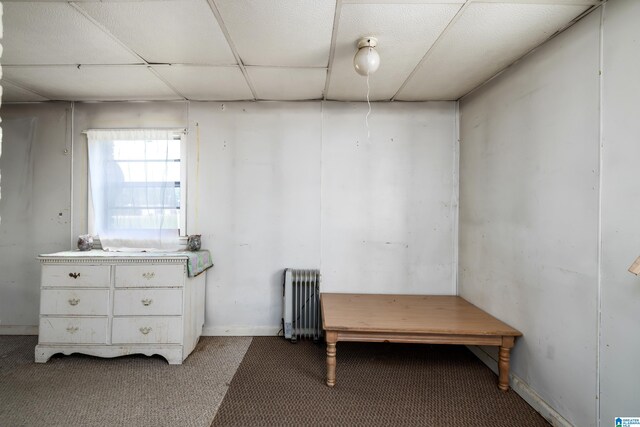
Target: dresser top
[[197, 261], [100, 254]]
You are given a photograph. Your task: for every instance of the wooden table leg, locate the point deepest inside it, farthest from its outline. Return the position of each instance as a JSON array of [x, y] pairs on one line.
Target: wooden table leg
[[503, 363], [332, 338]]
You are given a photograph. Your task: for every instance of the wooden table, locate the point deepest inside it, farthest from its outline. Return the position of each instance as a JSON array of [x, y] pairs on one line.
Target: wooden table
[[412, 319]]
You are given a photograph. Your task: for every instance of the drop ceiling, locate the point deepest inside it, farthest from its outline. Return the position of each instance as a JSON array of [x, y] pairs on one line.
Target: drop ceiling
[[223, 50]]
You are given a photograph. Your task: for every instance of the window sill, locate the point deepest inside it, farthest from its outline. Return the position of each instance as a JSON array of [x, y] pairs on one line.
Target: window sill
[[182, 239]]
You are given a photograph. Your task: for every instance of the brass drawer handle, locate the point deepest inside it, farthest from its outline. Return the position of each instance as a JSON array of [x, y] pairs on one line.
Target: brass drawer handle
[[147, 301], [74, 301], [145, 330], [74, 275], [72, 329], [149, 275]]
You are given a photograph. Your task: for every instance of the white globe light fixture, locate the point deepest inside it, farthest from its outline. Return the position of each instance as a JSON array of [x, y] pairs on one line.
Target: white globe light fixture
[[367, 59]]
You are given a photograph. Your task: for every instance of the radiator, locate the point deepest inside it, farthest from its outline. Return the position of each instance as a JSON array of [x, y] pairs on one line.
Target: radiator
[[301, 304]]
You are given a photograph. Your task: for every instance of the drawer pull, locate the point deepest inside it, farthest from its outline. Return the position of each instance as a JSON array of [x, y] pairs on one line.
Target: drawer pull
[[145, 330], [150, 275], [147, 301], [74, 275], [72, 329], [74, 301]]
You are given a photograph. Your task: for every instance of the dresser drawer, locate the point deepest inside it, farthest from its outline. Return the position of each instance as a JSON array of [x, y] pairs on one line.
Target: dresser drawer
[[76, 275], [87, 302], [147, 330], [150, 276], [73, 330], [140, 302]]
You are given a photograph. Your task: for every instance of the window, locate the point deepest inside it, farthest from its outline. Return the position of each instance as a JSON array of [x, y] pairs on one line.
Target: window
[[136, 188]]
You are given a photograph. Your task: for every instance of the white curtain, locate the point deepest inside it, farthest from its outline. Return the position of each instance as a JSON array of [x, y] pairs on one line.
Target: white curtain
[[134, 202]]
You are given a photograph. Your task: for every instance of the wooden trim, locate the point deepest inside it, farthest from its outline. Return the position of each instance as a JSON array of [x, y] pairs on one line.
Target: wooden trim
[[419, 338]]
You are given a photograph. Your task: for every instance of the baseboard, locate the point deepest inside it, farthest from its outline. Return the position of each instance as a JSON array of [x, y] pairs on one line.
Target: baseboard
[[524, 390], [18, 330], [240, 331]]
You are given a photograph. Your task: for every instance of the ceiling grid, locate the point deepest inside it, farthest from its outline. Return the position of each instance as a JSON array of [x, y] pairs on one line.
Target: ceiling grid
[[216, 13], [106, 31], [413, 72], [332, 49], [224, 50]]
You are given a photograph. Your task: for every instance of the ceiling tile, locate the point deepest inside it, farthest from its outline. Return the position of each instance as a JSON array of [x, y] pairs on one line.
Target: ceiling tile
[[206, 83], [295, 33], [92, 82], [404, 31], [166, 31], [13, 93], [287, 84], [485, 39], [56, 33], [43, 1]]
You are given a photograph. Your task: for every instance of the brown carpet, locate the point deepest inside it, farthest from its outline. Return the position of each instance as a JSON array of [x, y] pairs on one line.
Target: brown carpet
[[136, 390], [282, 384]]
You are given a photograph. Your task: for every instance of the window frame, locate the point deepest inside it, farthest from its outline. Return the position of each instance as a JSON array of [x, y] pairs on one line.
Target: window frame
[[182, 210]]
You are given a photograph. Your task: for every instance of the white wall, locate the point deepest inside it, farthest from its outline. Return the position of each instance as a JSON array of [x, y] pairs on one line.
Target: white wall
[[298, 185], [388, 205], [35, 205], [258, 204], [529, 201], [620, 342], [287, 185], [549, 178]]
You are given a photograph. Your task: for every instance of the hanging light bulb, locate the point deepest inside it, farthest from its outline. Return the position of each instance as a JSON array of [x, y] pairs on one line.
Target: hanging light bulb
[[367, 59]]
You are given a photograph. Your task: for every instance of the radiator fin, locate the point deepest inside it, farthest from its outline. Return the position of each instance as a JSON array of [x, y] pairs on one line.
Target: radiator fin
[[301, 304]]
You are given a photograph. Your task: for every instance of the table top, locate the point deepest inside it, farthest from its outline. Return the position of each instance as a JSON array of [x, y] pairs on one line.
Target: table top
[[423, 314]]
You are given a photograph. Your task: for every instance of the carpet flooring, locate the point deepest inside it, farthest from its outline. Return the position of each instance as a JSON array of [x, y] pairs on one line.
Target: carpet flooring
[[80, 390], [282, 384]]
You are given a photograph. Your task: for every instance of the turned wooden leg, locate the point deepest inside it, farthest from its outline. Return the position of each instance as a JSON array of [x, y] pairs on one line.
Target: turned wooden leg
[[331, 358], [503, 363]]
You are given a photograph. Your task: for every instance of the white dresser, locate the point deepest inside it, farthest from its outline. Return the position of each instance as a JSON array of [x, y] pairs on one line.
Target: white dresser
[[113, 304]]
